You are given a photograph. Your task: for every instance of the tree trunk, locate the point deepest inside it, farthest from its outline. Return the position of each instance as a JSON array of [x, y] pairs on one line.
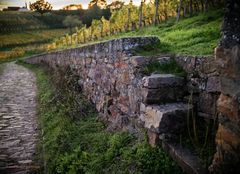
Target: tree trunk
[[84, 36], [206, 6], [140, 14], [179, 10], [190, 7], [91, 32], [129, 18], [70, 35], [202, 6], [101, 29], [156, 12], [196, 6], [184, 10], [110, 28]]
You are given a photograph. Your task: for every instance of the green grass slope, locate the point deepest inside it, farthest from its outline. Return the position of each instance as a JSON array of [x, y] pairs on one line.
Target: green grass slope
[[197, 35], [23, 38]]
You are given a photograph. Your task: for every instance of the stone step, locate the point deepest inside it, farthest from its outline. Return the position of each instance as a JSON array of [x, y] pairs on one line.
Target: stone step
[[189, 162], [166, 118], [162, 88], [164, 59]]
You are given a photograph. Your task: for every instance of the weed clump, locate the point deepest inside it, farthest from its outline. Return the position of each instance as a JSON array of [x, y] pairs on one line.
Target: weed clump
[[170, 67]]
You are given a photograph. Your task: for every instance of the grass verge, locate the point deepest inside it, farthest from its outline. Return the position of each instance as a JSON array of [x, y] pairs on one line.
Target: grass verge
[[75, 141], [197, 35]]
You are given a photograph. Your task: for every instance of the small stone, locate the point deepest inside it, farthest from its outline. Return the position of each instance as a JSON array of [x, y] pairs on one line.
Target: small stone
[[213, 84], [163, 60], [153, 138], [25, 162], [138, 61], [7, 117]]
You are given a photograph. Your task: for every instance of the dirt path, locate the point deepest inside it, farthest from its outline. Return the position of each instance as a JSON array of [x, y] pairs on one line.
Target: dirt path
[[18, 123]]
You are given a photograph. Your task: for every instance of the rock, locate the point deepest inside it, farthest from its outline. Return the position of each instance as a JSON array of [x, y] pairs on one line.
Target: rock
[[138, 61], [161, 80], [162, 95], [197, 85], [163, 60], [168, 118], [213, 84], [189, 162], [230, 107], [25, 162], [188, 63], [207, 103], [228, 66], [160, 88], [153, 138]]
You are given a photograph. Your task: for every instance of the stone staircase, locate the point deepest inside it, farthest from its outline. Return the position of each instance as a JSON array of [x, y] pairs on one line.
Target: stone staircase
[[164, 113]]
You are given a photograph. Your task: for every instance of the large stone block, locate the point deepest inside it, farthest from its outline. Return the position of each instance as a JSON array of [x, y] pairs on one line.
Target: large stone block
[[229, 106], [168, 118], [213, 84], [162, 80], [207, 103], [162, 95], [138, 61], [162, 88]]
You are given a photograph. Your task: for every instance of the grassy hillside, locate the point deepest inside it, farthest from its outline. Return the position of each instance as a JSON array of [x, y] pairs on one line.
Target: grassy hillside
[[198, 35], [12, 21], [21, 21], [19, 44], [10, 40]]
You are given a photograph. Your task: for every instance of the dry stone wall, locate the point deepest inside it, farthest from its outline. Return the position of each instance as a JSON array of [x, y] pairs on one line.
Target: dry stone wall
[[111, 76], [203, 81]]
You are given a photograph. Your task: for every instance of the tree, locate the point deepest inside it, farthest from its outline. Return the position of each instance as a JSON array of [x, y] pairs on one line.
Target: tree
[[40, 6], [156, 12], [100, 3], [141, 14], [71, 22], [115, 5], [179, 10], [190, 7]]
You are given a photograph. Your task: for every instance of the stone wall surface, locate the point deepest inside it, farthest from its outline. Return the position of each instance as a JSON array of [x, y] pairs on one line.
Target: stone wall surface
[[203, 82], [227, 158], [227, 55], [111, 78], [109, 75]]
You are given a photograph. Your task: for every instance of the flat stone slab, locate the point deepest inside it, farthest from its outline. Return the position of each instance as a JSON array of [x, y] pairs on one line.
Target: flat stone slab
[[190, 163], [162, 80], [166, 118], [162, 88]]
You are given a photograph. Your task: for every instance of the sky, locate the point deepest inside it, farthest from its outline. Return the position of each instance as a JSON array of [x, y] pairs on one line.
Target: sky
[[57, 4]]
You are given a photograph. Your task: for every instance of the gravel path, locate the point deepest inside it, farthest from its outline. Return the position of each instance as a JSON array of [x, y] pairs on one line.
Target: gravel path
[[18, 123]]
